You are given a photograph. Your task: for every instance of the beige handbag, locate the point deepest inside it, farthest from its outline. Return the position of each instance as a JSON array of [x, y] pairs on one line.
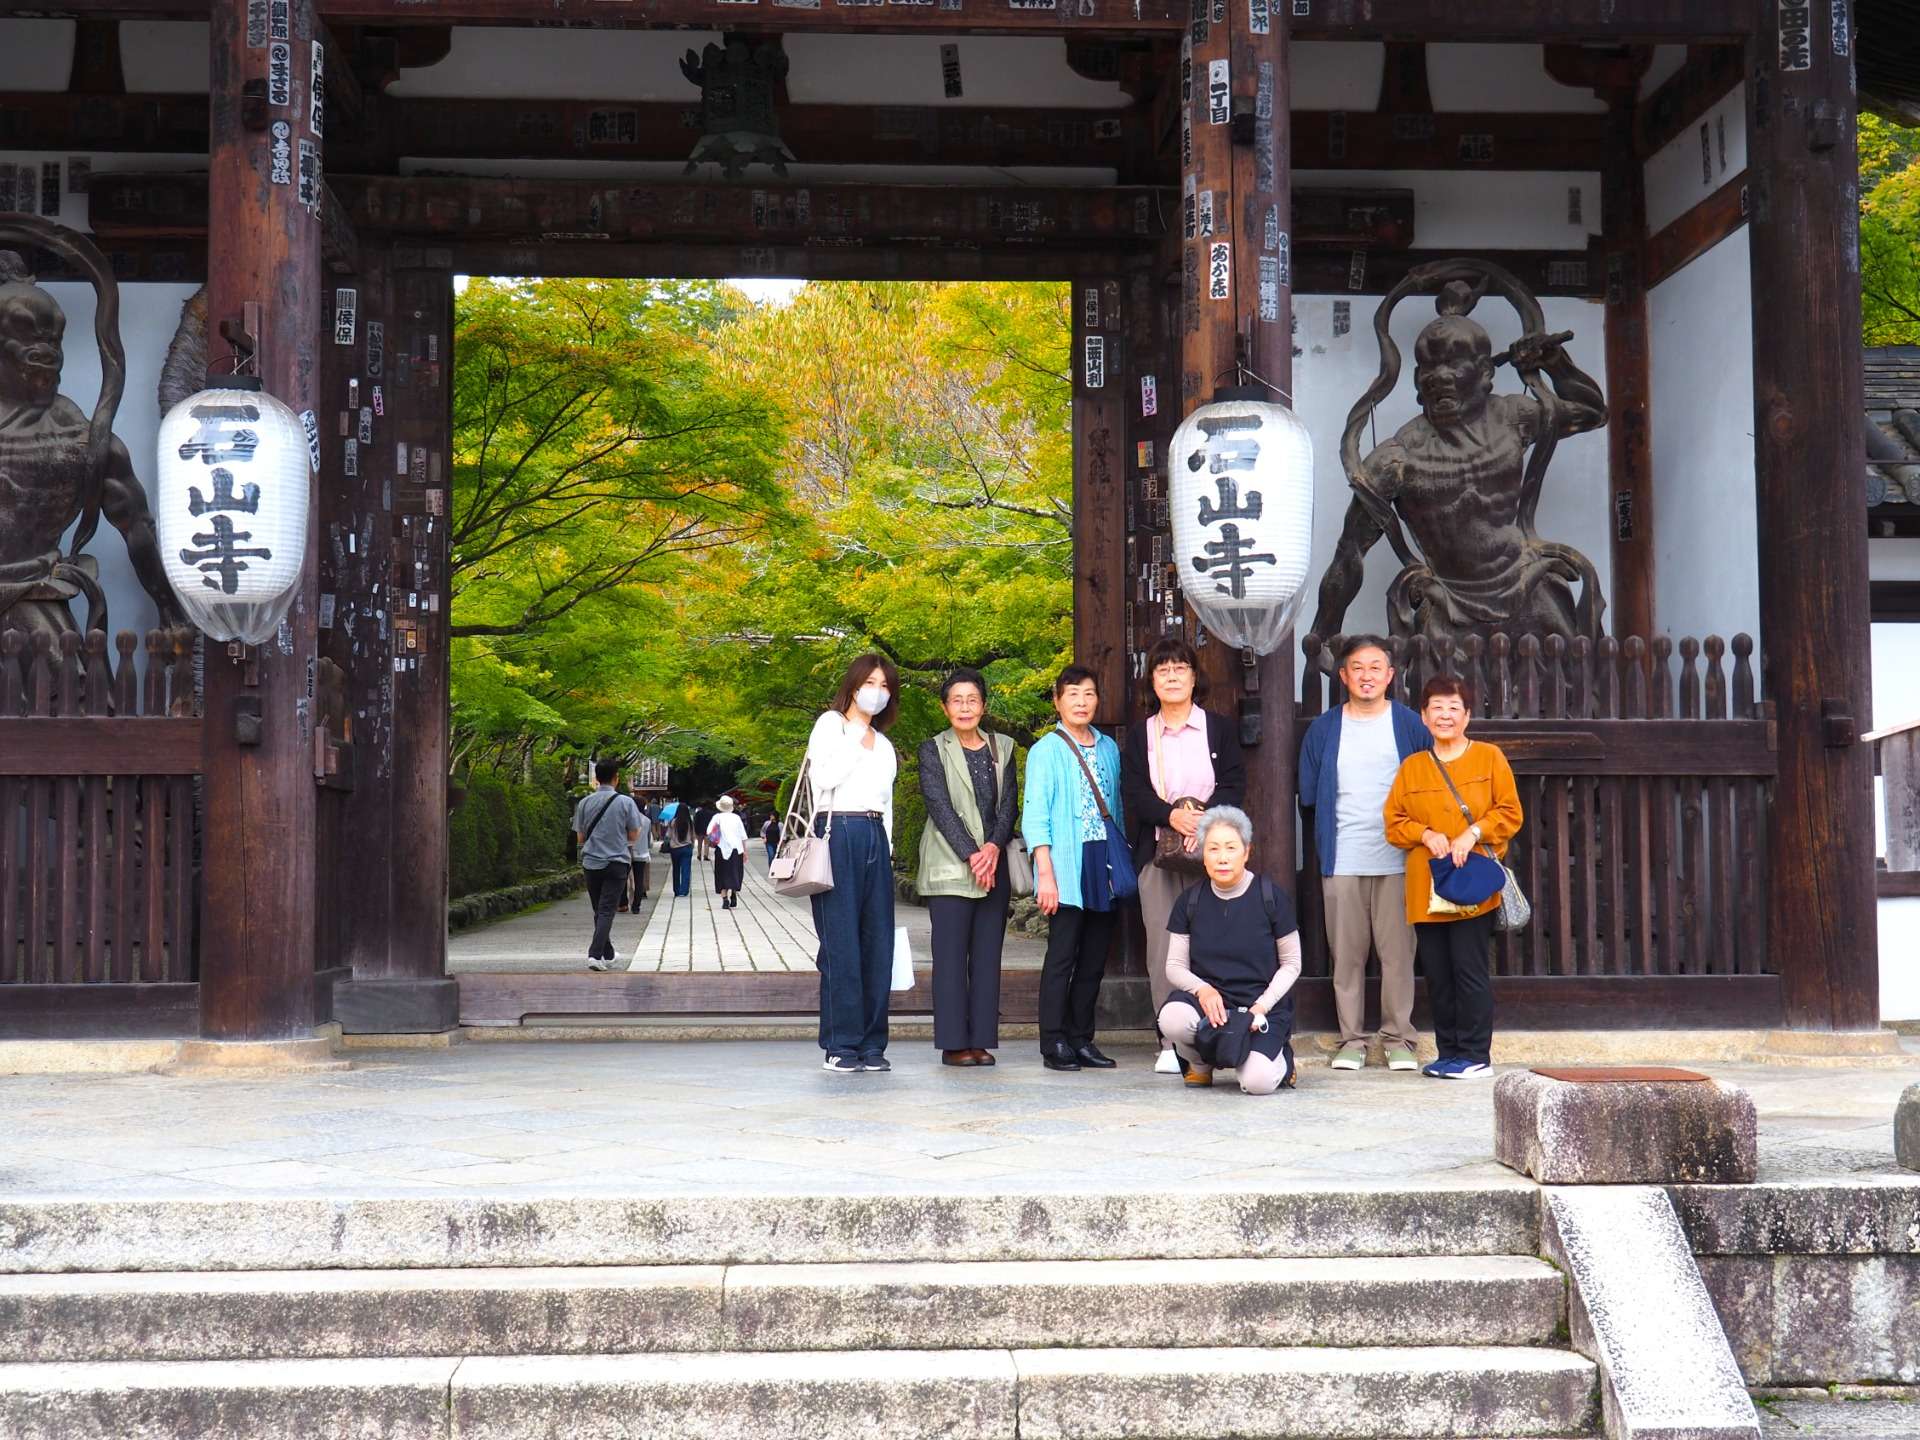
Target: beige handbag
[[802, 865], [1019, 862]]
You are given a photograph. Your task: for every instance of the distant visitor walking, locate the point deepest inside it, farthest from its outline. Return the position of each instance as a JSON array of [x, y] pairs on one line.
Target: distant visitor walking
[[606, 824], [678, 819], [728, 838], [642, 853]]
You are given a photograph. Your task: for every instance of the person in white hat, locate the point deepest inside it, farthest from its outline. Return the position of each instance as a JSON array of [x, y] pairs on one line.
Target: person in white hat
[[728, 836]]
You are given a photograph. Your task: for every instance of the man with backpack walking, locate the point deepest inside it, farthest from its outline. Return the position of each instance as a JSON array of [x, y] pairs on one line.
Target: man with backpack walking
[[606, 824]]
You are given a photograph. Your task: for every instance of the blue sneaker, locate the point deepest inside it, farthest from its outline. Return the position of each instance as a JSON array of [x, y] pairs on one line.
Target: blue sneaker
[[840, 1065], [1467, 1070], [876, 1062], [1442, 1069]]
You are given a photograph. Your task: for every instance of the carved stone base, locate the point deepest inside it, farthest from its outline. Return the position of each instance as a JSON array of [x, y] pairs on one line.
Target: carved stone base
[[1624, 1127]]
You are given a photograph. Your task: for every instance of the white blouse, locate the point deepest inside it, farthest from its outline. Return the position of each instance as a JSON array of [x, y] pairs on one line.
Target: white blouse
[[729, 833], [846, 774]]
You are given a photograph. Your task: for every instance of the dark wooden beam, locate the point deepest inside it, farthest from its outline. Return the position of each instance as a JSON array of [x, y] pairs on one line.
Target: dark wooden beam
[[100, 1012], [1809, 456], [1709, 76], [346, 99], [258, 887], [97, 69], [1519, 21], [550, 211], [99, 745], [481, 129], [339, 242], [603, 260], [1698, 231], [1623, 212]]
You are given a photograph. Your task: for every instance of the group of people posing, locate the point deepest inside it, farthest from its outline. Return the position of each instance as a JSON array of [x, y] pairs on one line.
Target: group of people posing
[[1394, 796]]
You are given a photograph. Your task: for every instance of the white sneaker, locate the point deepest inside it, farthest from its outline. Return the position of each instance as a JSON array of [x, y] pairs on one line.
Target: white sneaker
[[1168, 1062], [596, 964]]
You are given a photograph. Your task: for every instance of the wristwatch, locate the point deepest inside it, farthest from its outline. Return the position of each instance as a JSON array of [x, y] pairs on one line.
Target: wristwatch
[[1477, 833]]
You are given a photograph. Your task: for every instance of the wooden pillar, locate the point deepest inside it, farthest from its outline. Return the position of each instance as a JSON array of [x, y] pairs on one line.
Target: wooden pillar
[[1623, 213], [386, 538], [263, 250], [356, 542], [1237, 317], [1808, 454], [421, 387], [1100, 492]]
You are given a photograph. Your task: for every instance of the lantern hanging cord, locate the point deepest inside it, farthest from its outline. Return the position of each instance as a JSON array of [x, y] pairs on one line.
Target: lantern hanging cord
[[1245, 372]]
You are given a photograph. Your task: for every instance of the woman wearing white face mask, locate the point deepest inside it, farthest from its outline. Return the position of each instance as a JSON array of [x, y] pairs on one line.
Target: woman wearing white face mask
[[852, 772]]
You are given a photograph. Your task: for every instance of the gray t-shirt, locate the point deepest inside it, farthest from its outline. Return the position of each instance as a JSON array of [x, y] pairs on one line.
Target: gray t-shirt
[[1368, 761], [643, 847], [607, 841]]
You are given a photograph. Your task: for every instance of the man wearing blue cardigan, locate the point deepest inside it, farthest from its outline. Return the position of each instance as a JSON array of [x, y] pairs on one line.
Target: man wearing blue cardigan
[[1347, 764]]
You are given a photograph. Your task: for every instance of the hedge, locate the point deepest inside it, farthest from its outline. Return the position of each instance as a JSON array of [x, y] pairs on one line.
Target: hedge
[[505, 832]]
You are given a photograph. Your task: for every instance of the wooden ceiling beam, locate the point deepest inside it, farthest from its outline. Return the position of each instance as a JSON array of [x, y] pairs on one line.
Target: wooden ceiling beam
[[1520, 21], [550, 211], [1712, 73], [463, 129]]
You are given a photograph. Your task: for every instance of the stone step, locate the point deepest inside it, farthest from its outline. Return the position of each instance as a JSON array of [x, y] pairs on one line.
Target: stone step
[[1479, 1300], [1438, 1393], [454, 1232]]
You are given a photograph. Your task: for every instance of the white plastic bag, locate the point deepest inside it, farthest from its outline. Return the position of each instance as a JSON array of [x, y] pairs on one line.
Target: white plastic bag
[[902, 960]]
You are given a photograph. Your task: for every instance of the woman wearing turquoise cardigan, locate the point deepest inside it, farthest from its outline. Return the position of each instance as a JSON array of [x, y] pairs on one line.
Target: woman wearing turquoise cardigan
[[1063, 828]]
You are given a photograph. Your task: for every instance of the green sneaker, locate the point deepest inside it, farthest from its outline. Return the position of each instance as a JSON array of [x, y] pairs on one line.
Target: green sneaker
[[1351, 1058], [1399, 1059]]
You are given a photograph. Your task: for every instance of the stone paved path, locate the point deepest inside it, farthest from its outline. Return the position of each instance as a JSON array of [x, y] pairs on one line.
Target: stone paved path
[[693, 935], [760, 1117]]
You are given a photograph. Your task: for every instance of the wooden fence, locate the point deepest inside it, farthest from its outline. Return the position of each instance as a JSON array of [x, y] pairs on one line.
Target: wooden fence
[[1645, 771], [97, 778]]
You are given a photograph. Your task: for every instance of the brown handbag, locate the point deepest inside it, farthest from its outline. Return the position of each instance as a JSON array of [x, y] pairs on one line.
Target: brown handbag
[[1170, 848]]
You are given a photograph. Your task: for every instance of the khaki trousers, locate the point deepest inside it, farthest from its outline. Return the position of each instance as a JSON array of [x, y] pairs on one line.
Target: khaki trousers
[[1158, 890], [1363, 912]]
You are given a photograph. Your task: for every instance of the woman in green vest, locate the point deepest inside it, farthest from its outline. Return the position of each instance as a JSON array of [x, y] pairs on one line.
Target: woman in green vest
[[967, 780]]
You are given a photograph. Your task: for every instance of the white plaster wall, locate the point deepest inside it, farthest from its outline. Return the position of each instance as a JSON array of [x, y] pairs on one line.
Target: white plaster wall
[[1485, 210], [1899, 959], [1893, 559], [1509, 78], [1690, 167], [1331, 371], [1706, 564]]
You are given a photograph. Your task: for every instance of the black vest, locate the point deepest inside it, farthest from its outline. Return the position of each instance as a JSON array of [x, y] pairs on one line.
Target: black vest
[[1231, 943]]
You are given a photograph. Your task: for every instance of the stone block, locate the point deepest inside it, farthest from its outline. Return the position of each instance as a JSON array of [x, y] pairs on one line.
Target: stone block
[[1626, 1131], [1433, 1391], [917, 1395], [1875, 1215], [1641, 1312], [227, 1400], [1819, 1319], [1906, 1129], [397, 1007]]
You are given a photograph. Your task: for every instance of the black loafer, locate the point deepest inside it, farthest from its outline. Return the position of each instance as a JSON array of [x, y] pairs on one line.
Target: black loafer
[[1090, 1057], [1059, 1057]]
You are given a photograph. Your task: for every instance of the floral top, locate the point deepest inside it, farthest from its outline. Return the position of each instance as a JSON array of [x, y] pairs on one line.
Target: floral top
[[1092, 827]]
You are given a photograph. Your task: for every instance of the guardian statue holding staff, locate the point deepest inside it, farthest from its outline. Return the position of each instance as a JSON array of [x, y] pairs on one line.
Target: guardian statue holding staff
[[1464, 476]]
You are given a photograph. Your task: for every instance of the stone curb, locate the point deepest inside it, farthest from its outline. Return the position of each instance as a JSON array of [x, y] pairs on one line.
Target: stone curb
[[486, 905], [264, 1233], [1639, 1309]]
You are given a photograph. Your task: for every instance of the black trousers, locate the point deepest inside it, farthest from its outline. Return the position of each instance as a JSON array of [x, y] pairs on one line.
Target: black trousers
[[1454, 956], [637, 892], [1070, 976], [605, 886], [967, 940]]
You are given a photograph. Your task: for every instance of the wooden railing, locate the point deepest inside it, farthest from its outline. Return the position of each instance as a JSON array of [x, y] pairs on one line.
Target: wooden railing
[[1645, 787], [97, 766]]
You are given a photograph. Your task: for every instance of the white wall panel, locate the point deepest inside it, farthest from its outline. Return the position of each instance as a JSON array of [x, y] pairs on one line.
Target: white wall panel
[[1690, 167], [1706, 565]]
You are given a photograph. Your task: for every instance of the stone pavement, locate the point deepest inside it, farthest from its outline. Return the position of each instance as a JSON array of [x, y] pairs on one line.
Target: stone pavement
[[766, 932], [758, 1117]]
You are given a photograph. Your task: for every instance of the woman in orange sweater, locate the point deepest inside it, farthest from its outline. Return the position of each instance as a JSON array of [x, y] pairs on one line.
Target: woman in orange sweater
[[1425, 820]]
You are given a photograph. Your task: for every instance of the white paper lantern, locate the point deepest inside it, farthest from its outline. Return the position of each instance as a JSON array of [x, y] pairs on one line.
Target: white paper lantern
[[234, 481], [1240, 485]]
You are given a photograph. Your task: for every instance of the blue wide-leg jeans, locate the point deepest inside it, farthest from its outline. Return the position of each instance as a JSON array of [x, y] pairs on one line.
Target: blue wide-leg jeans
[[855, 923]]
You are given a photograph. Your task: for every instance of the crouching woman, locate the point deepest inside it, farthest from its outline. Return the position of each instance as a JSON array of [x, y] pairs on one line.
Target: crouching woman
[[1233, 953]]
